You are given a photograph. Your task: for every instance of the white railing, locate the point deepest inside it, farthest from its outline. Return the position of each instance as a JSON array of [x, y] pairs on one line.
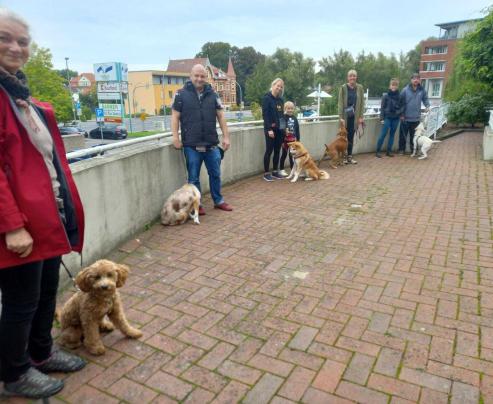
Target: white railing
[[436, 119]]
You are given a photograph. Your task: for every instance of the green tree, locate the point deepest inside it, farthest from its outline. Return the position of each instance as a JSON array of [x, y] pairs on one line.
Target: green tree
[[244, 61], [46, 84], [89, 100], [297, 72], [477, 50], [63, 74], [217, 52]]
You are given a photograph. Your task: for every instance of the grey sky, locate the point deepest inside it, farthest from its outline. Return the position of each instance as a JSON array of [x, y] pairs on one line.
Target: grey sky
[[146, 33]]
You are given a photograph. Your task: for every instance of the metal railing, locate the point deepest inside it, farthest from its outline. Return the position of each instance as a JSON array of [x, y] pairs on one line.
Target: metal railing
[[436, 119]]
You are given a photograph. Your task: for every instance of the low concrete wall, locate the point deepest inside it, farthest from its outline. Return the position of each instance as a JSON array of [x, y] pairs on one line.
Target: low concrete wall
[[123, 192], [74, 142], [488, 142]]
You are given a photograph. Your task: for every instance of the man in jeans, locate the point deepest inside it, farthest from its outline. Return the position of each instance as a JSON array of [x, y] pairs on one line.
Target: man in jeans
[[196, 107], [411, 98]]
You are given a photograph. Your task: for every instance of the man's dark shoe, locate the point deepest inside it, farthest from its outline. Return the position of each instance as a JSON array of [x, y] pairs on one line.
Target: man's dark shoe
[[378, 155], [33, 384], [224, 206], [390, 155], [61, 361], [277, 175], [201, 211]]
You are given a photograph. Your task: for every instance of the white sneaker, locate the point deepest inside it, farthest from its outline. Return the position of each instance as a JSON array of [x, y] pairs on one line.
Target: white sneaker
[[283, 173]]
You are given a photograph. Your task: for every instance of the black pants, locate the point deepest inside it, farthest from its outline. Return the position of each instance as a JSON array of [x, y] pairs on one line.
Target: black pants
[[273, 145], [28, 307], [405, 128], [284, 154], [350, 135]]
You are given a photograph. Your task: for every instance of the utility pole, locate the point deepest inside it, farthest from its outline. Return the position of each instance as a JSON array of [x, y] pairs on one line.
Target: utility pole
[[69, 88]]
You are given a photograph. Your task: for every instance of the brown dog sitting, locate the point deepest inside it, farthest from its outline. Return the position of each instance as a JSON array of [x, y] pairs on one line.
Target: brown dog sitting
[[304, 163], [84, 315], [336, 150]]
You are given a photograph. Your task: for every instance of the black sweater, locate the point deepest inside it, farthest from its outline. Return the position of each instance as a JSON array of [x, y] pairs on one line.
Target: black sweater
[[391, 105], [272, 111], [292, 125]]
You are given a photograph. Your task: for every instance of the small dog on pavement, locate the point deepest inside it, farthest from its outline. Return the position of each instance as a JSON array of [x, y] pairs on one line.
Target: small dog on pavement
[[422, 141], [96, 307], [303, 162], [336, 150], [182, 204]]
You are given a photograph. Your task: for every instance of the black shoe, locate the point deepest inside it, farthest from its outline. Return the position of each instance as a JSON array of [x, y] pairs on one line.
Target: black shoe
[[33, 384], [390, 155], [277, 175], [378, 155], [61, 361]]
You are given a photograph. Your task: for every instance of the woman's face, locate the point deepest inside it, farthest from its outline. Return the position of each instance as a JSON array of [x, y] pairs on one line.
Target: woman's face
[[351, 78], [277, 88], [14, 45]]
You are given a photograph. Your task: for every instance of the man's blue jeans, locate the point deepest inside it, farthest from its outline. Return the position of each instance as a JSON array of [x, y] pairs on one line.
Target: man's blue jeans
[[388, 124], [212, 160]]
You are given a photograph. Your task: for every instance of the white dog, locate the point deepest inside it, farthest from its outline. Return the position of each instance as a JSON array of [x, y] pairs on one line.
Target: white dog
[[422, 141]]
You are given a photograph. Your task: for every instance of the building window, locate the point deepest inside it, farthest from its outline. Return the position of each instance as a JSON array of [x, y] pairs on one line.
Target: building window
[[435, 90], [434, 50], [169, 80], [170, 93], [434, 66]]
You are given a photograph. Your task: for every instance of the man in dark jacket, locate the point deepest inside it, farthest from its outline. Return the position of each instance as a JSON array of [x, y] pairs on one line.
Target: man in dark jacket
[[411, 98], [196, 107]]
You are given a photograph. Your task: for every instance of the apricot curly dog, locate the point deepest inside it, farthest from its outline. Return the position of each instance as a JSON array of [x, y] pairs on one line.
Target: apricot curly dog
[[84, 315]]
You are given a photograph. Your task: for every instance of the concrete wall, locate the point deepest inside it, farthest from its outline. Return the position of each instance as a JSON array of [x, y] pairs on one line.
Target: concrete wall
[[74, 142], [488, 142], [123, 192]]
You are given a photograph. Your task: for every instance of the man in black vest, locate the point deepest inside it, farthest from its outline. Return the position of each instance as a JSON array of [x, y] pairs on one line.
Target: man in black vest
[[196, 107]]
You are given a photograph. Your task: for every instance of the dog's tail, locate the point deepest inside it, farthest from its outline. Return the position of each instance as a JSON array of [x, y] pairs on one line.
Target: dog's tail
[[324, 175]]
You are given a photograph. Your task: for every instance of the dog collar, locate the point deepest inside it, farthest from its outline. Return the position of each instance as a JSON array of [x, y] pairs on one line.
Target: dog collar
[[300, 155]]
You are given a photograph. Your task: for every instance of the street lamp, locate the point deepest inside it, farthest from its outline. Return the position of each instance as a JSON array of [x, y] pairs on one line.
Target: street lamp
[[241, 95], [69, 88], [146, 85]]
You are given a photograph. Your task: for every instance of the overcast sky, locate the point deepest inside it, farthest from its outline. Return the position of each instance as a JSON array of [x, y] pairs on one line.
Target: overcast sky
[[147, 33]]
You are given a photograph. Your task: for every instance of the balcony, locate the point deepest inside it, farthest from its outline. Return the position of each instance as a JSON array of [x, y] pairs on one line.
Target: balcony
[[371, 285]]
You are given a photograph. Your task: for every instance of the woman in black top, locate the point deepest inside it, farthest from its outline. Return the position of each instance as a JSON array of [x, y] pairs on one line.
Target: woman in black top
[[274, 126]]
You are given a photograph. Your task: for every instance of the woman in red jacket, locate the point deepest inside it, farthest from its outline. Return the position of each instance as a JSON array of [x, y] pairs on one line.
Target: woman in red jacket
[[41, 218]]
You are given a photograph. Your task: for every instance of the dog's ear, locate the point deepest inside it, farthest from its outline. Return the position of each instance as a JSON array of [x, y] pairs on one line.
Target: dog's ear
[[83, 281], [122, 271]]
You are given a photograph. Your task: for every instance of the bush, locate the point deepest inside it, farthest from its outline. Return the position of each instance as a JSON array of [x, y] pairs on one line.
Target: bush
[[470, 109], [256, 110]]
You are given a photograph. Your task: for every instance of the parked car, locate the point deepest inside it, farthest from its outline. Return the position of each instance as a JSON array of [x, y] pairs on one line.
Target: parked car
[[309, 113], [72, 130], [110, 131]]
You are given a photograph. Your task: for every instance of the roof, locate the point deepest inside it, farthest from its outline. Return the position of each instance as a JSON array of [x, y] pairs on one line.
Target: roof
[[74, 81], [445, 25], [231, 69], [185, 65]]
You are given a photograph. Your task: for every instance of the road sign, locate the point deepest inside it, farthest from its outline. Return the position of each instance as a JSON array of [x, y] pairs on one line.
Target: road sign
[[112, 87], [99, 115], [77, 105], [113, 110], [109, 96]]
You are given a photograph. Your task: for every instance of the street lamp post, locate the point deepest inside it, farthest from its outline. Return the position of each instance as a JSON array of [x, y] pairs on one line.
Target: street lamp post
[[69, 88], [241, 95], [133, 101]]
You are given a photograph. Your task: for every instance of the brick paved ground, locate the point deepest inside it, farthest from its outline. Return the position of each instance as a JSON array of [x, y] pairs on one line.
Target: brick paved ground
[[294, 297]]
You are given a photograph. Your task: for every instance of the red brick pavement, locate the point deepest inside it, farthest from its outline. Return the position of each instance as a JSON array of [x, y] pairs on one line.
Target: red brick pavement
[[296, 297]]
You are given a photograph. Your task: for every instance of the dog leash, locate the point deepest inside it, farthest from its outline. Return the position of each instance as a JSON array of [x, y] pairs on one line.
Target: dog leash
[[71, 276]]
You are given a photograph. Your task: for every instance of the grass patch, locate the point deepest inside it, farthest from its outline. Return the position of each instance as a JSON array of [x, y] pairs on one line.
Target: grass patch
[[143, 133]]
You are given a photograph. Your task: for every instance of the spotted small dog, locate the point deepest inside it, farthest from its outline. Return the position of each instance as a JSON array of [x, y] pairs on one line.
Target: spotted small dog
[[181, 205]]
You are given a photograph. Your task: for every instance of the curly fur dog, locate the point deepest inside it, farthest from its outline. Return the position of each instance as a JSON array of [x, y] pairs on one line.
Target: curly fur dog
[[84, 315], [182, 204], [303, 162], [336, 149]]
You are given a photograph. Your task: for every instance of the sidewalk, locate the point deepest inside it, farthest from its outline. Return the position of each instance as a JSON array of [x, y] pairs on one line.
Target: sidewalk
[[297, 297]]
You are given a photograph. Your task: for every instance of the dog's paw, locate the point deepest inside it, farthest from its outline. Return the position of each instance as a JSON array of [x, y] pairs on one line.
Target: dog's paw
[[293, 180], [106, 327], [196, 221], [96, 350], [134, 333], [421, 158]]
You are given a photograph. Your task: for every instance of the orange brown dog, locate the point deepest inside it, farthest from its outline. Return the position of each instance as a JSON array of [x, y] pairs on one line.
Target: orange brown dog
[[85, 314], [303, 162], [336, 150]]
